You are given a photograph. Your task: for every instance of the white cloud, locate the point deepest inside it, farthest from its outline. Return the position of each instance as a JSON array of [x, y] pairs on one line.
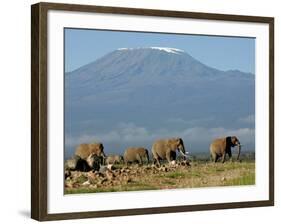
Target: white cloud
[[248, 120], [189, 122], [129, 133]]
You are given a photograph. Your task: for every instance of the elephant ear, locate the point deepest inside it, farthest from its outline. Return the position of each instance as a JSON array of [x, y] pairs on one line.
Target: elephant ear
[[234, 140], [173, 143], [179, 141], [228, 140], [100, 145], [97, 145]]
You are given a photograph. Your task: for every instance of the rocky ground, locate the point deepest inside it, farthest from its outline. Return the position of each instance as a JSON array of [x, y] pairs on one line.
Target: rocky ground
[[150, 177]]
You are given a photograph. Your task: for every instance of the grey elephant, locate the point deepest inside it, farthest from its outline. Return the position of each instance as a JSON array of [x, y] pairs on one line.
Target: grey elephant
[[136, 154], [85, 150], [222, 146], [165, 149], [92, 162], [112, 159]]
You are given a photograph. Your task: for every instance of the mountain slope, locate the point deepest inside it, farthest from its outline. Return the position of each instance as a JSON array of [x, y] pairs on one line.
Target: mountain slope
[[151, 86]]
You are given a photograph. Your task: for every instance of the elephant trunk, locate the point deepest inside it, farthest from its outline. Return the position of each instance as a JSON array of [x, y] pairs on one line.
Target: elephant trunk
[[103, 158], [239, 150], [182, 151]]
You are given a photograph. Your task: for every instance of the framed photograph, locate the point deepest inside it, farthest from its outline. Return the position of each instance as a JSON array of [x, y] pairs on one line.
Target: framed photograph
[[139, 111]]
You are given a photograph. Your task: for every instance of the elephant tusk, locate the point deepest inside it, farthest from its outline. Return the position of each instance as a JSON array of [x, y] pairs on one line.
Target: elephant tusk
[[184, 154]]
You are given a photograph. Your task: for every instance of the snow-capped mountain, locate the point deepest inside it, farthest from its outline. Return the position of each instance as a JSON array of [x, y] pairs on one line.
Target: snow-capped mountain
[[149, 87]]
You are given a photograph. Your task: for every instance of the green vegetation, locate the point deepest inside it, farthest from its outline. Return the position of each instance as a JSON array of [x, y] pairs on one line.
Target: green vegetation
[[81, 179], [128, 187], [244, 180], [88, 190], [176, 174]]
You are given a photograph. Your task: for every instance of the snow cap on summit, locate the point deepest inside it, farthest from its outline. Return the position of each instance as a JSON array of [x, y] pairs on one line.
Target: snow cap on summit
[[166, 49]]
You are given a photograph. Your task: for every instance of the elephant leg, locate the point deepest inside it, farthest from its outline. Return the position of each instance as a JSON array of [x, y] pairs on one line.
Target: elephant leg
[[156, 161], [214, 157], [173, 156], [223, 158], [211, 158], [126, 162], [168, 156], [139, 159], [85, 167], [230, 156]]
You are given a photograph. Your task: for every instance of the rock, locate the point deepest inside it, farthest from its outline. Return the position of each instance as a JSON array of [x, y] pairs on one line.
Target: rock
[[67, 174], [68, 184], [172, 162], [185, 163], [92, 177], [125, 170], [109, 175], [147, 168], [133, 172], [75, 174], [71, 164], [126, 180], [103, 169], [86, 183], [135, 166], [112, 159], [93, 186], [204, 182], [163, 169], [109, 183], [76, 185], [111, 167], [116, 182], [102, 181], [117, 172]]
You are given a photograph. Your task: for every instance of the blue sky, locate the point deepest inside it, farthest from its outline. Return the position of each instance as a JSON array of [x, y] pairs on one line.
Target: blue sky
[[225, 53]]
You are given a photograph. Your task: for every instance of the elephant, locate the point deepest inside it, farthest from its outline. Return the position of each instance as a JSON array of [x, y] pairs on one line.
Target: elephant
[[112, 159], [166, 149], [222, 146], [84, 150], [136, 154], [71, 164], [92, 162]]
